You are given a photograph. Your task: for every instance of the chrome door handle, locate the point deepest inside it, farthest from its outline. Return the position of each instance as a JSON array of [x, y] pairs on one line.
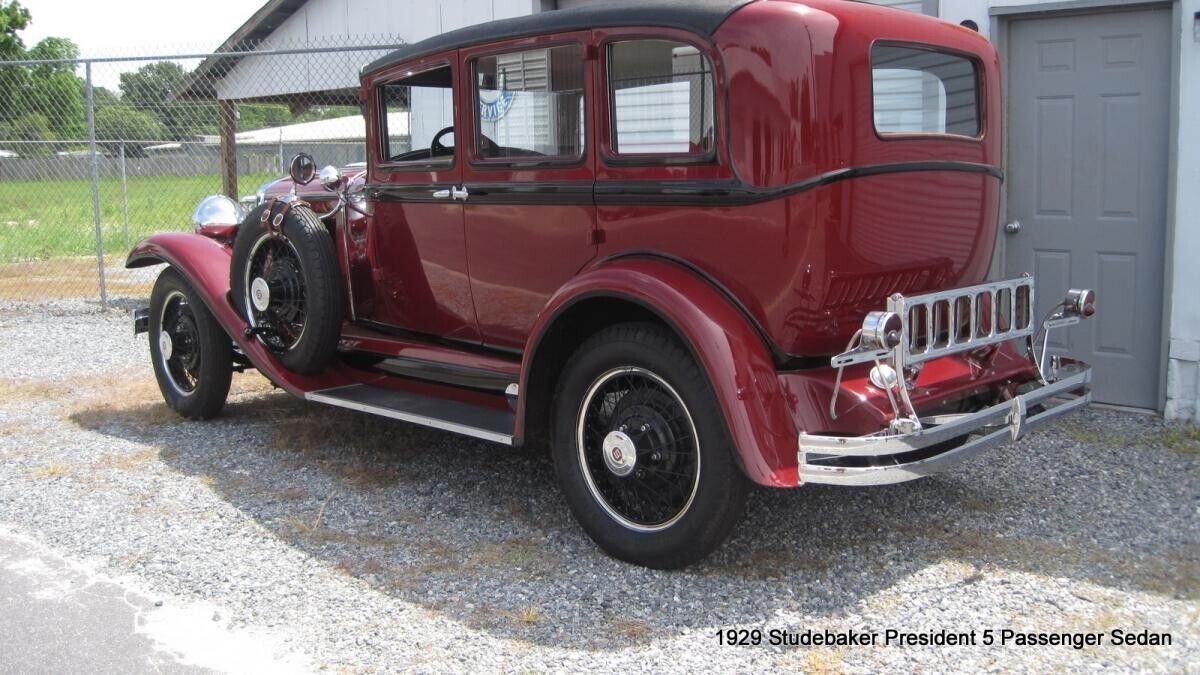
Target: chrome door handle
[[1013, 227], [441, 194], [460, 193]]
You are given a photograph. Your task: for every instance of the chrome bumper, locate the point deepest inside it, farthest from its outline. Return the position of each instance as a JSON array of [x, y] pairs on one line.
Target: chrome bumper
[[895, 458]]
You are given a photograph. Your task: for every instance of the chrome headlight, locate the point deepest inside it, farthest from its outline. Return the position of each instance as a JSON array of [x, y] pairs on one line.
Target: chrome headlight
[[881, 330], [217, 210]]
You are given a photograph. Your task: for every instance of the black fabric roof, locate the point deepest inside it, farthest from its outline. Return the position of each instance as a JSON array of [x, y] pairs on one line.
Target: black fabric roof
[[697, 16]]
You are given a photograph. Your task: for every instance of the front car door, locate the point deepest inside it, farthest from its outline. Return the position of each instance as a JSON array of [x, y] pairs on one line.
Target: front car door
[[528, 180], [408, 257]]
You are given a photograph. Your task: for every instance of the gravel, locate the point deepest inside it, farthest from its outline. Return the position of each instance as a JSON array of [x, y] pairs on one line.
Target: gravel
[[357, 543]]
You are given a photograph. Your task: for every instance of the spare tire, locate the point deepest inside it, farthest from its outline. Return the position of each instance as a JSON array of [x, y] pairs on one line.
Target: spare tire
[[285, 281]]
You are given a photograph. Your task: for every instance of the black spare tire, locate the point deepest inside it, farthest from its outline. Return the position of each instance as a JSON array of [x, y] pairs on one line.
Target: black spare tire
[[285, 282]]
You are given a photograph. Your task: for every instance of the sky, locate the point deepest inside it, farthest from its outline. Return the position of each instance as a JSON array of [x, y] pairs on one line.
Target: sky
[[143, 27]]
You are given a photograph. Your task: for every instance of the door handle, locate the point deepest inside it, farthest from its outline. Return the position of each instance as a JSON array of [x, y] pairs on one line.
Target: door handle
[[454, 192], [1013, 227]]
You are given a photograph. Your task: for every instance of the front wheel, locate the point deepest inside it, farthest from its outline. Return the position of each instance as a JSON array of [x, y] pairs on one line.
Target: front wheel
[[641, 449], [191, 354]]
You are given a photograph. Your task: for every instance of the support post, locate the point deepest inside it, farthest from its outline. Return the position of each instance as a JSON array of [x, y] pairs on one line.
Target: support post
[[124, 195], [94, 153], [227, 112]]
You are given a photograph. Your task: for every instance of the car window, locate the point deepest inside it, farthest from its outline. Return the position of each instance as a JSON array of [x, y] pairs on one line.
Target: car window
[[418, 118], [530, 104], [923, 91], [660, 98]]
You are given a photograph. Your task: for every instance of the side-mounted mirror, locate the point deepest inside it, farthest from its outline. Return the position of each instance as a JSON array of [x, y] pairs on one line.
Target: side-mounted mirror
[[303, 169], [331, 178]]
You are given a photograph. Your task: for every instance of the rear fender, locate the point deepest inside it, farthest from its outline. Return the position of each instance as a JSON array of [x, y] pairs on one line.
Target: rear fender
[[204, 263], [724, 343]]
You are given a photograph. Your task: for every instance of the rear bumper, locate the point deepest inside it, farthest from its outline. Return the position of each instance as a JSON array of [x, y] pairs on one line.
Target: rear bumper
[[885, 457]]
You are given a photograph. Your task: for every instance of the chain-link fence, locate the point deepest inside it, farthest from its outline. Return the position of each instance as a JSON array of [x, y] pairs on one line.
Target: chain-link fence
[[97, 153]]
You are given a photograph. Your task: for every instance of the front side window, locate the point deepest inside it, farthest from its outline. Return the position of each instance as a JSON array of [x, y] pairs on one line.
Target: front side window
[[660, 98], [530, 104], [418, 118], [923, 91]]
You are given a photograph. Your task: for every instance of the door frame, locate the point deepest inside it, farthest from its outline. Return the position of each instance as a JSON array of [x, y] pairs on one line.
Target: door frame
[[1001, 18]]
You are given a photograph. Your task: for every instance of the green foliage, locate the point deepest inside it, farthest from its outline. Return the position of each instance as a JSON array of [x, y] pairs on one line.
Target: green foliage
[[125, 123], [46, 102], [151, 85], [13, 17]]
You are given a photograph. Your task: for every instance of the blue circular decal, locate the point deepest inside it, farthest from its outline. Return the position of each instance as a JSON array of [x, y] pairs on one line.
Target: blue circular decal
[[494, 104]]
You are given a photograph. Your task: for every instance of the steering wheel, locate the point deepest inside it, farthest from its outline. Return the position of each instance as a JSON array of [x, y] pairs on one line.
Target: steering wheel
[[436, 149]]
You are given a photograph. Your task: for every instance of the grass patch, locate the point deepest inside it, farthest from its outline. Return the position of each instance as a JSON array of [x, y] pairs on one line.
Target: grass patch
[[509, 552], [636, 630], [50, 471], [53, 218], [527, 615], [1184, 440], [13, 390]]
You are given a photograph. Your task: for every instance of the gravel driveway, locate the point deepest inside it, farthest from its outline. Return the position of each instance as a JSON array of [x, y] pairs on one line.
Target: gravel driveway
[[333, 540]]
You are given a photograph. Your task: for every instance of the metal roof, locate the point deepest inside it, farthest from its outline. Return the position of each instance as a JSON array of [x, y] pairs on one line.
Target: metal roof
[[702, 17]]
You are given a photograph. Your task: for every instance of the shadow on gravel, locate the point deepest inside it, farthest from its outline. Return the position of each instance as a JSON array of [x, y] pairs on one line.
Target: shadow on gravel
[[480, 533]]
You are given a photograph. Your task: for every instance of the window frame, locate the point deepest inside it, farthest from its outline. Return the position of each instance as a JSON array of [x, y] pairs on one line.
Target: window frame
[[615, 158], [980, 101], [475, 160], [384, 163]]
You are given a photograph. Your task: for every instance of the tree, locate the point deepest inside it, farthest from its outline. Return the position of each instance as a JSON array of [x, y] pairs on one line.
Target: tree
[[38, 102], [149, 88], [13, 17], [124, 123]]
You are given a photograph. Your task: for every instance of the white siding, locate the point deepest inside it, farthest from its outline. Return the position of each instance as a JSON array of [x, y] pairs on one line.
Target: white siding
[[324, 23]]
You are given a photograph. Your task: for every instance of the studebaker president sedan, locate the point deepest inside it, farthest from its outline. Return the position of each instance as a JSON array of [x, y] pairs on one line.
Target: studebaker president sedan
[[687, 247]]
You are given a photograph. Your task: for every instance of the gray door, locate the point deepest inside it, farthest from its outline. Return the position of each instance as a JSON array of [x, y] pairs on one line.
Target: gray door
[[1087, 173]]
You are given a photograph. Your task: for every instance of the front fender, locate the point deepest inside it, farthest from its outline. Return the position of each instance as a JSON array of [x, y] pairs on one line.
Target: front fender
[[732, 353], [205, 264]]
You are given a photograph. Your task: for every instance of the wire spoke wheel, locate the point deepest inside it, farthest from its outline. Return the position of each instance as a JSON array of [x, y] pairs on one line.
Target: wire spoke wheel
[[638, 449], [179, 343], [275, 293]]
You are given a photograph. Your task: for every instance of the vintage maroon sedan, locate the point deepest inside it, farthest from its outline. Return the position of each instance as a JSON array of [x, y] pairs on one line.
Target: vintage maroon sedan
[[688, 247]]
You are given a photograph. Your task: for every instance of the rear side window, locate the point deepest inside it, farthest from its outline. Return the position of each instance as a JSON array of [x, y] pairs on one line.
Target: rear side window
[[923, 91], [660, 98], [530, 104]]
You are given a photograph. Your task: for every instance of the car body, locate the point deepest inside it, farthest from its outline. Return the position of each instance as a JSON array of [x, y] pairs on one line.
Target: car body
[[801, 193]]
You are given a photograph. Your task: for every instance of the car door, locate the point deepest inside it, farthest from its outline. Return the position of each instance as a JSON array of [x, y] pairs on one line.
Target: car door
[[528, 179], [409, 260]]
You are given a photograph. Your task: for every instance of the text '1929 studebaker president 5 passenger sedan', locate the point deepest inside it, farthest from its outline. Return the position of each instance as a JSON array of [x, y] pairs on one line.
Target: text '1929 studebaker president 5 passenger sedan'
[[688, 247]]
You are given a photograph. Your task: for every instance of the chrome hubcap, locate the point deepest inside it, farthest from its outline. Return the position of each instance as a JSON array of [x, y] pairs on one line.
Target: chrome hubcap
[[165, 346], [260, 294], [620, 454]]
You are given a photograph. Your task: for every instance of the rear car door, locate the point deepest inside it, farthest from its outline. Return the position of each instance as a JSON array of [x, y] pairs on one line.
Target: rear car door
[[528, 178], [408, 256]]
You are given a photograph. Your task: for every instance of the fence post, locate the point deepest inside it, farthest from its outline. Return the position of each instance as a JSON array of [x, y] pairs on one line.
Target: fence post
[[227, 113], [124, 196], [95, 170]]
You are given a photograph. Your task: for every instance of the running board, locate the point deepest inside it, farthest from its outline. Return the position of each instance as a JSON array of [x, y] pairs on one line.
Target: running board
[[490, 424]]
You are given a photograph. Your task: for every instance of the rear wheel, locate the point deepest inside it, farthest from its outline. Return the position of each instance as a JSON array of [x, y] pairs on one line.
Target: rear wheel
[[191, 353], [641, 449]]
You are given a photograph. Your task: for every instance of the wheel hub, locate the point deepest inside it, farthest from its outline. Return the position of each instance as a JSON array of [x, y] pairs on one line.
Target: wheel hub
[[260, 294], [166, 346], [620, 453]]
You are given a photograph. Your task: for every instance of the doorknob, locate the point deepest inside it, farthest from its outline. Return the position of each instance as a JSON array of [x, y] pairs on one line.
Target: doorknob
[[441, 194], [1013, 227], [460, 193]]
